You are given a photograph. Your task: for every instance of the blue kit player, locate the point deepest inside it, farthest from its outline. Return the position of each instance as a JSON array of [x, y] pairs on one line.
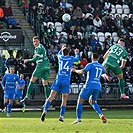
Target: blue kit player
[[9, 84], [62, 81], [91, 88], [19, 92]]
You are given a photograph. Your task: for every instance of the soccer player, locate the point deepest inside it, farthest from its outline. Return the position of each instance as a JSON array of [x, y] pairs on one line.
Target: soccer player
[[112, 58], [91, 88], [19, 92], [42, 69], [9, 84], [62, 81]]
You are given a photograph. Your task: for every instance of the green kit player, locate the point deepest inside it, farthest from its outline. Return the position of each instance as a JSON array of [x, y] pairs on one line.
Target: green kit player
[[42, 69], [112, 58]]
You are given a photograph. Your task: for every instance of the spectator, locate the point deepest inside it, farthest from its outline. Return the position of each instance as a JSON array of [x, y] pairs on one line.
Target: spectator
[[94, 42], [62, 40], [83, 61], [10, 61], [45, 41], [78, 42], [110, 24], [88, 31], [40, 12], [96, 3], [107, 4], [97, 12], [77, 3], [123, 31], [51, 31], [118, 21], [49, 3], [56, 4], [104, 25], [25, 6], [87, 8], [71, 41], [97, 23], [108, 41], [2, 26], [126, 23], [48, 14], [78, 13], [1, 14], [127, 74], [57, 15], [18, 26], [131, 23], [7, 11]]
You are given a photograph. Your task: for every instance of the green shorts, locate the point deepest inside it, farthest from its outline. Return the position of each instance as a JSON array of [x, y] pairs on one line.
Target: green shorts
[[114, 67], [41, 72]]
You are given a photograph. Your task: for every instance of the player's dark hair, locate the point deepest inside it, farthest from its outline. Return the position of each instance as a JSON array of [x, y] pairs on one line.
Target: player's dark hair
[[12, 66], [65, 51], [36, 37], [122, 40], [95, 56]]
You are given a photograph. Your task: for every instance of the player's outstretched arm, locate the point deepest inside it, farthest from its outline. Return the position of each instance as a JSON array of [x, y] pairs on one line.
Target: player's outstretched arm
[[105, 55], [123, 63], [78, 71]]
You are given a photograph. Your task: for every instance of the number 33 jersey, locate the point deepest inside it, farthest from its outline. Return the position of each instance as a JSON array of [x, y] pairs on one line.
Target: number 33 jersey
[[116, 54]]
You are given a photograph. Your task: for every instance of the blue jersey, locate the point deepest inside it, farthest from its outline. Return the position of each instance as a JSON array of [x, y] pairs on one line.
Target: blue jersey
[[21, 83], [65, 65], [9, 82], [94, 71]]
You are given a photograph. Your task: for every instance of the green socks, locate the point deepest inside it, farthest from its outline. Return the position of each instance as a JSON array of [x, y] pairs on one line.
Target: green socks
[[121, 85], [29, 89], [46, 91]]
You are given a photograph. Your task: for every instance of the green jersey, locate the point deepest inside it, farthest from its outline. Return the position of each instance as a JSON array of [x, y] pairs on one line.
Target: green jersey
[[116, 54], [40, 56]]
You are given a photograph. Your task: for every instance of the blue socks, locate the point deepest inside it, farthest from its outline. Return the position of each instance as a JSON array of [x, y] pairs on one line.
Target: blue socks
[[46, 106], [5, 104], [9, 107], [22, 104], [62, 110], [79, 110], [97, 108]]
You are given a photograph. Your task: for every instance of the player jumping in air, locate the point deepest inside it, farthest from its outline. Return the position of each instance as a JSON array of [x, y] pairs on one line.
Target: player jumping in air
[[62, 81], [112, 58], [42, 69]]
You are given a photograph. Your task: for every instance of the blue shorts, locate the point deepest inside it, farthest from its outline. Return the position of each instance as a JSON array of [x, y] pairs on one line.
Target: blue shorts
[[87, 94], [61, 86], [18, 96], [9, 95]]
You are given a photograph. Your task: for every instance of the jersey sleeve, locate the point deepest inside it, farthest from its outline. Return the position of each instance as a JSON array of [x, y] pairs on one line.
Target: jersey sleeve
[[87, 68], [76, 58], [36, 55], [125, 56]]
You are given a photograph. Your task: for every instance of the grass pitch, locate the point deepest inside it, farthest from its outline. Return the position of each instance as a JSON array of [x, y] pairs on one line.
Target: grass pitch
[[118, 121]]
